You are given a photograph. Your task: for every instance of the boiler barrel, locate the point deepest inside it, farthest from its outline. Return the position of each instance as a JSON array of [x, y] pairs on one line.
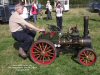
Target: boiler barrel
[[85, 41]]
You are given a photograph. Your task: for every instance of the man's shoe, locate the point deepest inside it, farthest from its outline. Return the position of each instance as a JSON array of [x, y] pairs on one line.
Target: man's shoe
[[22, 53]]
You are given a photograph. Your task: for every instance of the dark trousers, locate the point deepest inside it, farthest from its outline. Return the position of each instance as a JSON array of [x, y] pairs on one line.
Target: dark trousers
[[49, 16], [35, 18], [25, 37], [27, 19], [59, 22]]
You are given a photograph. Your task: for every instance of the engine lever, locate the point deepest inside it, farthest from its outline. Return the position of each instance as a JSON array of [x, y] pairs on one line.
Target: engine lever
[[43, 32]]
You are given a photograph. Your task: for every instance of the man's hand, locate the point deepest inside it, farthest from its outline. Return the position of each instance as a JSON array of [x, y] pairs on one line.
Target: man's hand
[[42, 30]]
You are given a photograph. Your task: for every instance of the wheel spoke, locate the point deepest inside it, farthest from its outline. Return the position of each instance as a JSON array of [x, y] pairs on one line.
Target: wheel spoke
[[85, 54], [88, 52], [38, 57], [83, 58], [48, 48], [82, 55], [45, 47], [35, 52], [49, 51], [38, 48], [86, 61], [50, 56], [47, 59], [91, 57], [91, 54]]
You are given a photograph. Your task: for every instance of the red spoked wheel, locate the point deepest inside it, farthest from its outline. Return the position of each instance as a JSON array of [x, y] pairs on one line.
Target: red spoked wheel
[[43, 52], [87, 57]]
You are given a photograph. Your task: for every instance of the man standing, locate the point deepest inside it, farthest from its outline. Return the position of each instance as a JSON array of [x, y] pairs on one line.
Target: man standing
[[22, 31]]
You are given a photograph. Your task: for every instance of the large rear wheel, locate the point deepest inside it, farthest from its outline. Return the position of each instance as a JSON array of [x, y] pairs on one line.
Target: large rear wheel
[[43, 52]]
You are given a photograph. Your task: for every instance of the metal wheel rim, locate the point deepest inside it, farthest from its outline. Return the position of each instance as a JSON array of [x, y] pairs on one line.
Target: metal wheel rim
[[43, 53], [87, 57]]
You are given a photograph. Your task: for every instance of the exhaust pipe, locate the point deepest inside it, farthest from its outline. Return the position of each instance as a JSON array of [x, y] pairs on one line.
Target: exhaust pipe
[[86, 32]]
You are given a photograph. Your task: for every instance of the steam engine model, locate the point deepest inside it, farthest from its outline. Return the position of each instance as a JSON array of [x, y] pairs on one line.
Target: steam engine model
[[44, 51]]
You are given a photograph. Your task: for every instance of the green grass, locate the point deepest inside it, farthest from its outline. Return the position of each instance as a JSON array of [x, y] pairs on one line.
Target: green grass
[[63, 65]]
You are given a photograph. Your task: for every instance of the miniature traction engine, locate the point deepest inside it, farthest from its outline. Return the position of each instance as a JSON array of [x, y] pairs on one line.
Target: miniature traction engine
[[44, 51]]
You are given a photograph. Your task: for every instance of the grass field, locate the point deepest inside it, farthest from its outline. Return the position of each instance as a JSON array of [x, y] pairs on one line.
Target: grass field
[[12, 64]]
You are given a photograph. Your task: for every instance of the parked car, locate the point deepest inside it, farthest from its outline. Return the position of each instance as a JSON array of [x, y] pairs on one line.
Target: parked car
[[7, 7], [5, 13], [7, 10], [95, 6]]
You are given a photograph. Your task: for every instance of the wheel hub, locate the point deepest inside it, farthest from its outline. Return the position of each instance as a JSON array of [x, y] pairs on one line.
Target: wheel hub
[[43, 53]]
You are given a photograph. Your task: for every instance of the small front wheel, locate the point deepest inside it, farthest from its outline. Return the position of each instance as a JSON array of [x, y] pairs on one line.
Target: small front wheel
[[87, 57]]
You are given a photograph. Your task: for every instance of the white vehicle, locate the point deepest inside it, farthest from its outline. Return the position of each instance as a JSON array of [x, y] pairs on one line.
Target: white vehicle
[[65, 4]]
